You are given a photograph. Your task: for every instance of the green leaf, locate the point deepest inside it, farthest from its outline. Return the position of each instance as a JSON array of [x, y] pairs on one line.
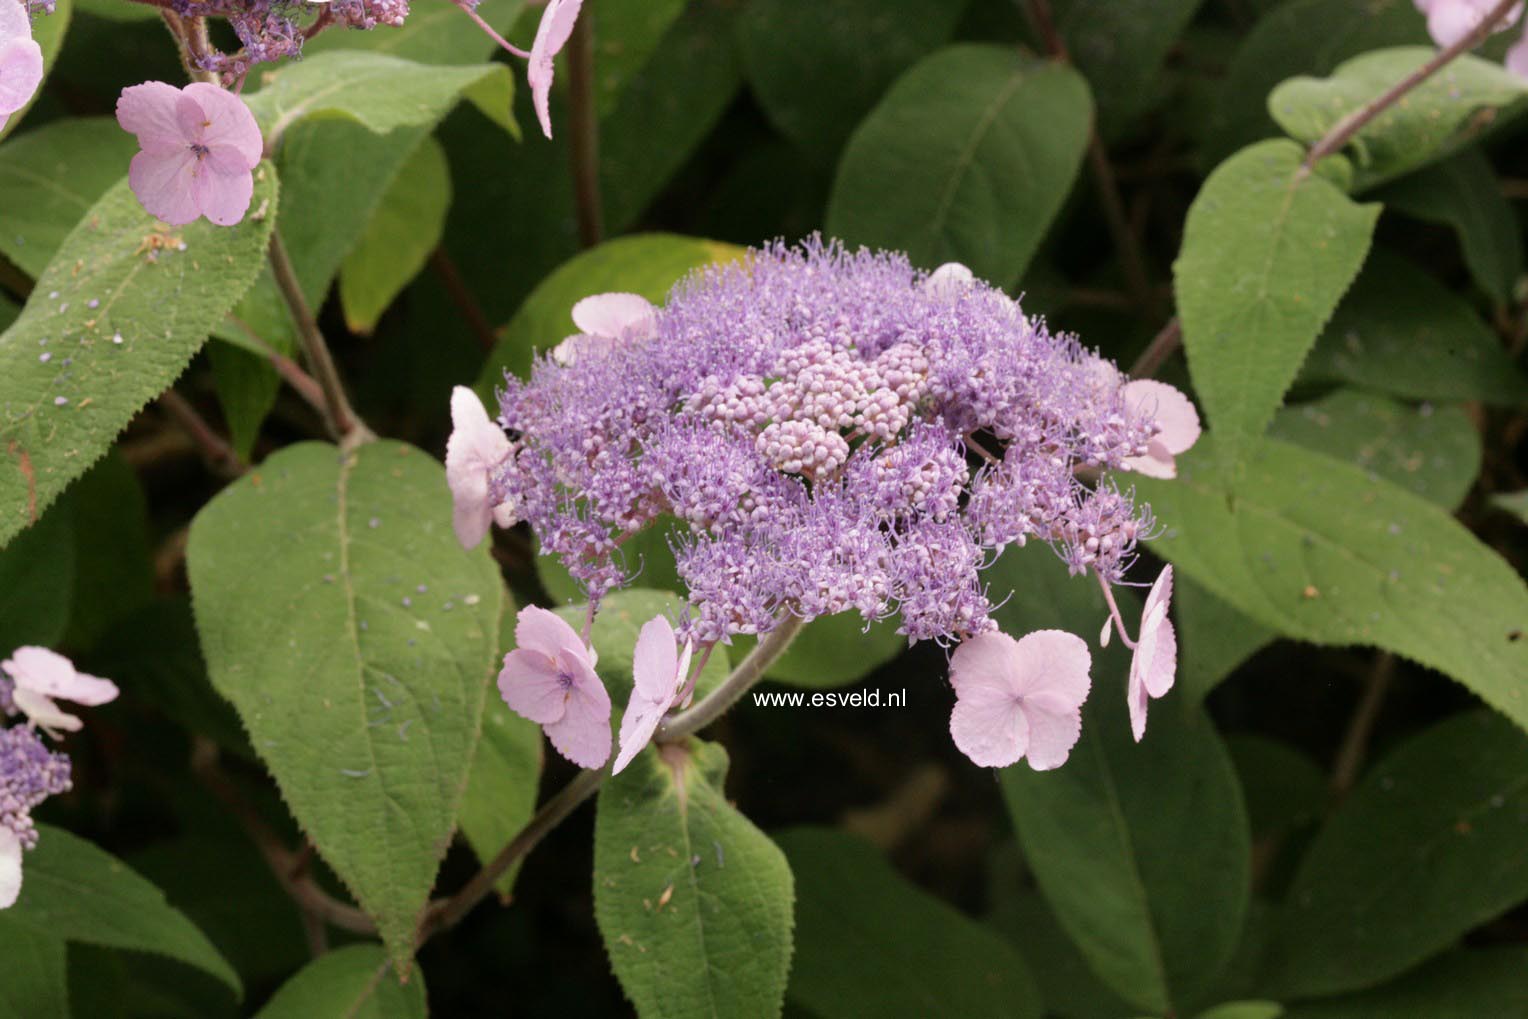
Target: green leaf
[[397, 242], [1299, 37], [1119, 45], [1068, 985], [836, 651], [380, 92], [161, 300], [1433, 452], [646, 264], [1515, 503], [77, 892], [1141, 849], [1267, 253], [817, 69], [1435, 119], [1284, 788], [1244, 1010], [1156, 912], [1462, 985], [1324, 552], [48, 33], [1213, 638], [505, 775], [34, 986], [37, 581], [1400, 331], [1427, 847], [870, 943], [49, 179], [693, 902], [246, 383], [353, 982], [357, 641], [1463, 193], [626, 34], [433, 34], [968, 159], [113, 561]]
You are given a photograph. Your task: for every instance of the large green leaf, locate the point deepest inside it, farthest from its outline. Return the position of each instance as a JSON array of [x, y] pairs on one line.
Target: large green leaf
[[1402, 332], [378, 91], [1068, 985], [37, 581], [1156, 913], [967, 159], [1322, 551], [1433, 452], [1284, 787], [406, 227], [1267, 253], [1468, 984], [48, 32], [356, 639], [817, 69], [34, 986], [626, 34], [77, 892], [117, 275], [1428, 846], [1120, 45], [646, 264], [1213, 638], [1299, 37], [352, 982], [49, 179], [693, 902], [871, 944], [1463, 193], [1435, 119]]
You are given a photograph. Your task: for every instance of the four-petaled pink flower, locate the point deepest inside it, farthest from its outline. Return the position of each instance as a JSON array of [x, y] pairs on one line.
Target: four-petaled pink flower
[[1174, 414], [658, 668], [200, 146], [549, 678], [605, 321], [551, 36], [1155, 663], [41, 675], [475, 448], [20, 59], [1019, 698]]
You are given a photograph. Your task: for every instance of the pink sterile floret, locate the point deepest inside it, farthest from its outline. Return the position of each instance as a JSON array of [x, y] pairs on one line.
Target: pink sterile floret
[[1019, 698], [549, 678], [1155, 663], [658, 668], [20, 59], [200, 146]]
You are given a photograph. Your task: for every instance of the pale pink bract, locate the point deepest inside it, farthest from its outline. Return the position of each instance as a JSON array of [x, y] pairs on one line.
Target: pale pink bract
[[1019, 698], [658, 668], [200, 146], [1155, 663], [40, 675], [549, 678], [551, 36], [1174, 414], [20, 59], [475, 448], [604, 321]]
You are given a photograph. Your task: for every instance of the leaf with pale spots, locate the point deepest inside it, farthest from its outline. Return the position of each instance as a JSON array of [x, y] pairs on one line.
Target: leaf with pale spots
[[357, 641], [1323, 551], [114, 318], [694, 902]]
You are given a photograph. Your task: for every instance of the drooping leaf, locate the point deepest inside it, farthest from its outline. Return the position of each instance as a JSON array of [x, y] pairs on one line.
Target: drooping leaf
[[968, 158], [405, 228], [356, 640], [1428, 846], [117, 275], [1324, 552], [37, 581], [1433, 121], [1120, 45], [1462, 985], [1431, 451], [49, 179], [1463, 193], [34, 986], [77, 892], [1267, 253], [871, 944], [817, 69], [355, 982], [48, 32], [693, 902], [1402, 332], [1213, 638], [646, 264]]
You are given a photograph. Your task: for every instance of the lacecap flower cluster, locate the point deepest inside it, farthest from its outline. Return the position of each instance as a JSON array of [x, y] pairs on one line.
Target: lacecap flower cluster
[[819, 431]]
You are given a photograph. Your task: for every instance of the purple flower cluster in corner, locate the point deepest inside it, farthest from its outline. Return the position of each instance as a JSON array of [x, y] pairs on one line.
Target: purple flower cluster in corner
[[819, 431], [29, 774]]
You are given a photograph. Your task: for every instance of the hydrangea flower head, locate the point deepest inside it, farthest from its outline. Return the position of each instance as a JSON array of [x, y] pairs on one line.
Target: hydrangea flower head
[[819, 431], [29, 774], [549, 678], [20, 59], [551, 36], [34, 676], [1019, 698], [1155, 662], [475, 449], [199, 148], [658, 668]]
